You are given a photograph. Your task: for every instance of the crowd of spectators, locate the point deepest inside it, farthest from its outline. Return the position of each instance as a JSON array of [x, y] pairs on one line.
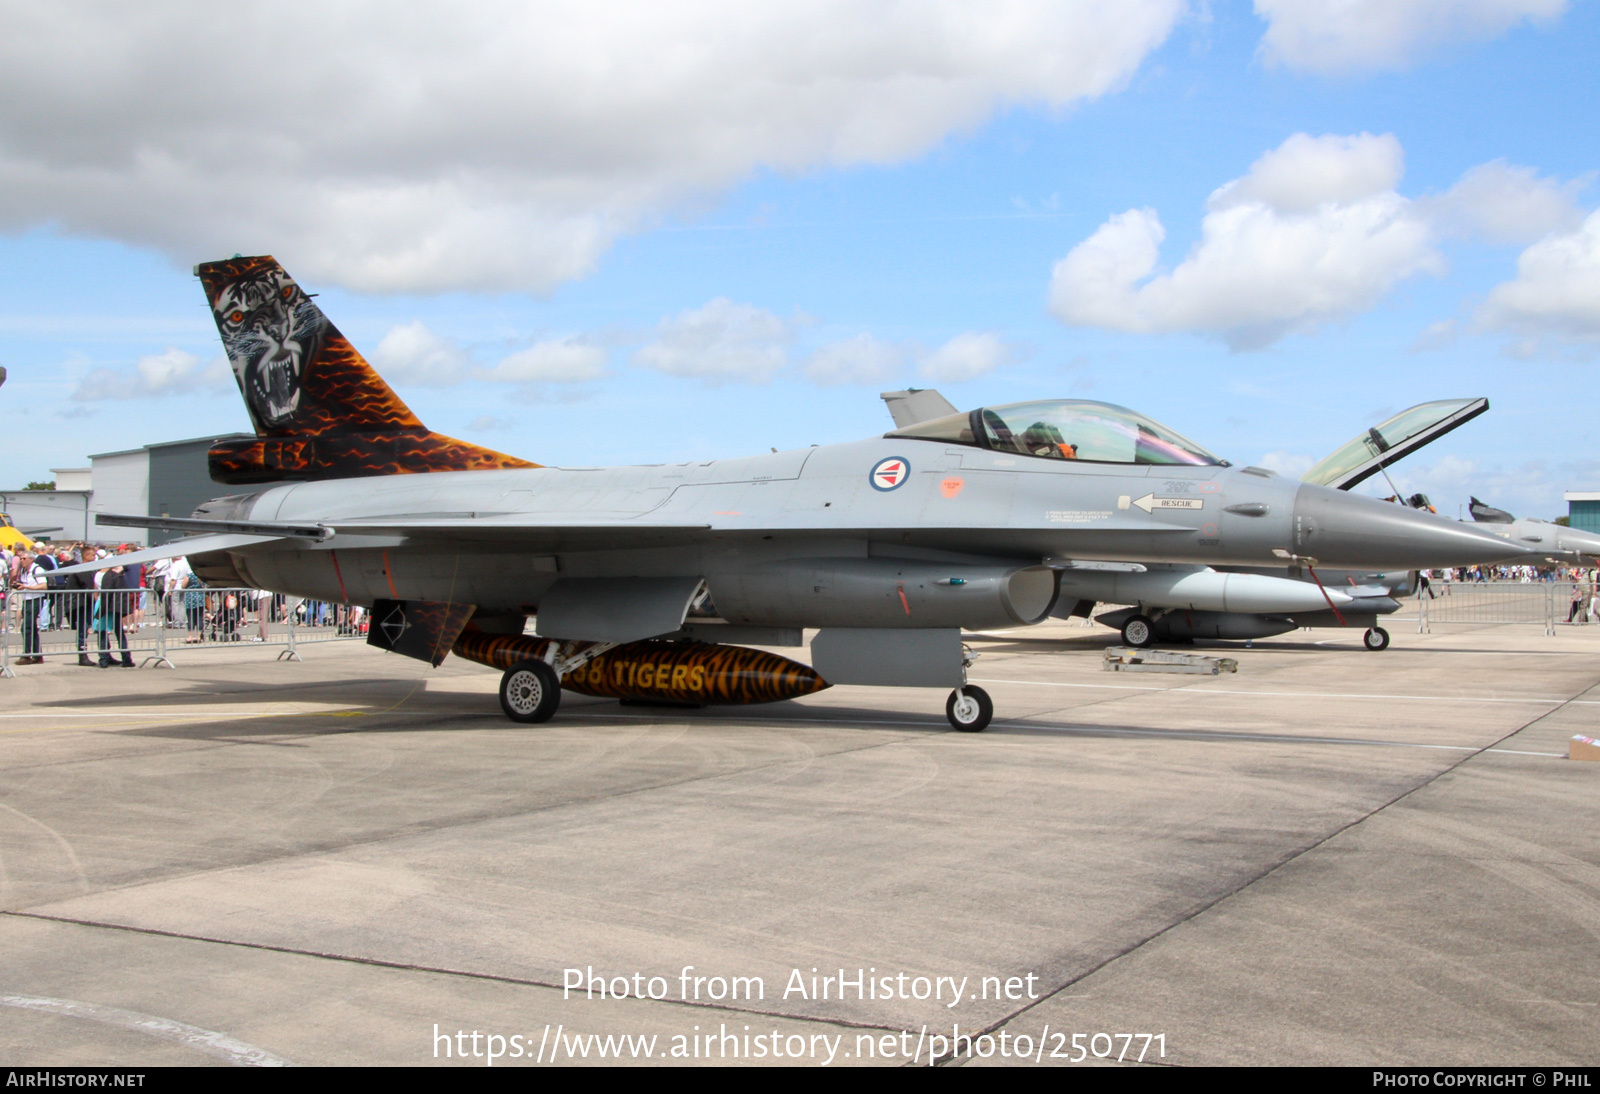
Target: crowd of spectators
[[107, 602], [105, 607], [1583, 605], [1513, 573]]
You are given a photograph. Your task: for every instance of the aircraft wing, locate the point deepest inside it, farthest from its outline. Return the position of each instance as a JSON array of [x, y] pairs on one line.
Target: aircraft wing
[[518, 526], [548, 530], [522, 527]]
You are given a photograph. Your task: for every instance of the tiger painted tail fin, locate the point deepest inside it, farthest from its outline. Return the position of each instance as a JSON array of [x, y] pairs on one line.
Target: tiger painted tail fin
[[320, 410]]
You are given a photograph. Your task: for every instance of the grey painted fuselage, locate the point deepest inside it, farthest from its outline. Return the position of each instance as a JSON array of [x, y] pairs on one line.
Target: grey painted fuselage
[[807, 538]]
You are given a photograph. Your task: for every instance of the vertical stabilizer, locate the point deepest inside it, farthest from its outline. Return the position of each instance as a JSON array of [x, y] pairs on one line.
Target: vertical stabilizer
[[319, 409]]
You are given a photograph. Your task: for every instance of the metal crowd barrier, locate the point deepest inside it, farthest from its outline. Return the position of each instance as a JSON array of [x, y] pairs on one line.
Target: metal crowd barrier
[[1548, 603], [140, 627]]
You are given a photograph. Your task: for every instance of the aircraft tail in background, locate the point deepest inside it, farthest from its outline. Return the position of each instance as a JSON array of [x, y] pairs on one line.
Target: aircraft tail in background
[[319, 409]]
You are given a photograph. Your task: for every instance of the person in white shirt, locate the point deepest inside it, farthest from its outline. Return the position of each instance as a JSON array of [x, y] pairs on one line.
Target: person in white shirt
[[33, 580]]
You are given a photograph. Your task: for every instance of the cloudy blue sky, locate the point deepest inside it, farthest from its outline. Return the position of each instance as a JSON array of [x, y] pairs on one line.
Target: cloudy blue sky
[[624, 233]]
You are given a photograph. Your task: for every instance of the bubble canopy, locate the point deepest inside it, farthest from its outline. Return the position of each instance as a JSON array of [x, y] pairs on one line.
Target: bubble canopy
[[1065, 430]]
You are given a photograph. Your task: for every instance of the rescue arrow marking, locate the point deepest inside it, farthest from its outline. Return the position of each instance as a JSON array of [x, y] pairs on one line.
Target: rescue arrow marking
[[1150, 501]]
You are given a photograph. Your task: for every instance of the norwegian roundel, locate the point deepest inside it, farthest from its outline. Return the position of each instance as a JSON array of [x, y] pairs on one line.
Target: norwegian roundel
[[889, 473]]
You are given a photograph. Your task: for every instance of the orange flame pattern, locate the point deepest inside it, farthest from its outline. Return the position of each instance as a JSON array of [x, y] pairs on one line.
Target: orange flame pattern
[[348, 424]]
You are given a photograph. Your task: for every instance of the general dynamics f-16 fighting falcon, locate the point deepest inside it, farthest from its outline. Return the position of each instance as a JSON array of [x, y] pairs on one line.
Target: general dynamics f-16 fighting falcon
[[1178, 602], [889, 545], [1183, 603], [1551, 542]]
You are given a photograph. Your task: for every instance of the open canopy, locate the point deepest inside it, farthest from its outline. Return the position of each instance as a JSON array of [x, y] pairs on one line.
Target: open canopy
[[1074, 429], [1391, 440]]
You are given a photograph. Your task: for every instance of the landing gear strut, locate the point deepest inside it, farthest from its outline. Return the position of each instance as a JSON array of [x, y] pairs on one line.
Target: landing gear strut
[[969, 708], [1376, 638], [530, 691]]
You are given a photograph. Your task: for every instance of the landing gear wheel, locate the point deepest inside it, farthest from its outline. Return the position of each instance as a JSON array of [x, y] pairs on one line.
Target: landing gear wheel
[[530, 691], [1376, 638], [1137, 632], [969, 709]]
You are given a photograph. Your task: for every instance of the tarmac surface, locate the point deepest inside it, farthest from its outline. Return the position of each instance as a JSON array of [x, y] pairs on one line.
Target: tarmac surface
[[1331, 857]]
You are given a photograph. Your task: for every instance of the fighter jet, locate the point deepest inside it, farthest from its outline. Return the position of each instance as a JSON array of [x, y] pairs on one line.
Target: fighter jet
[[1176, 602], [1178, 606], [1555, 543], [889, 546]]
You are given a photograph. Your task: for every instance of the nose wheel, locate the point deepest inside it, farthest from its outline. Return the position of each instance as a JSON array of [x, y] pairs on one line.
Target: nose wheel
[[969, 709], [1376, 638], [530, 691]]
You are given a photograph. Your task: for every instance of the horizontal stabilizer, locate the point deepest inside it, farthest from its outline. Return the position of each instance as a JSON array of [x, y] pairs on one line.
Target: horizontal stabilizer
[[178, 548], [275, 529]]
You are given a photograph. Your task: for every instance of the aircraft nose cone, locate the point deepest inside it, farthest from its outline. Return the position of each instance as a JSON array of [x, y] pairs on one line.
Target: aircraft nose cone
[[1576, 541], [1338, 528]]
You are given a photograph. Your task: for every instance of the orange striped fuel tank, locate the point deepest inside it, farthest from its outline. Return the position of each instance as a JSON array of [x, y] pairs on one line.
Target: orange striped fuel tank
[[675, 672]]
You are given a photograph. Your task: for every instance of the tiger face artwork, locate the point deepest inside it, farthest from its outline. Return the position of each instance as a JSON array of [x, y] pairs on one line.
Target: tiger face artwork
[[270, 329]]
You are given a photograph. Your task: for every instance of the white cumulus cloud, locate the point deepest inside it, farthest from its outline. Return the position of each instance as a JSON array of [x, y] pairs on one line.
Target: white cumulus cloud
[[1556, 293], [1291, 465], [967, 356], [501, 145], [1305, 172], [1365, 35], [174, 372], [720, 342], [1312, 233], [863, 359], [1503, 203], [569, 360], [412, 354]]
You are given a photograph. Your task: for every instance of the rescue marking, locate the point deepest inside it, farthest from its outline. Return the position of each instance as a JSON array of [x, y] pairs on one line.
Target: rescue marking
[[951, 487], [890, 473], [1150, 501]]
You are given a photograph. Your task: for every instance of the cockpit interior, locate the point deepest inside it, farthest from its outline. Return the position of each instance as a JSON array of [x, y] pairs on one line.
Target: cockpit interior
[[1065, 430]]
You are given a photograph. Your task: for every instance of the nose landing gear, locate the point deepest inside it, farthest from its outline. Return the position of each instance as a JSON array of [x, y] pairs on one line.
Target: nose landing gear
[[1376, 639], [969, 708]]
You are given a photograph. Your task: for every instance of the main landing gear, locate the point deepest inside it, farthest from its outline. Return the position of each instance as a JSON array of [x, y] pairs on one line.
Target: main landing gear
[[1137, 632], [530, 691], [1376, 638], [969, 708]]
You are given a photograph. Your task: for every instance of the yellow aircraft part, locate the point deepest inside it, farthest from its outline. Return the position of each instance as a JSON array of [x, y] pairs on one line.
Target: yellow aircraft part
[[11, 537]]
